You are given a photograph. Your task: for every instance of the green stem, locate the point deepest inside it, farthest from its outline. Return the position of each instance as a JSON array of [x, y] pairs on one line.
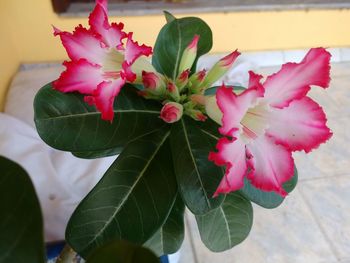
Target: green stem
[[67, 255]]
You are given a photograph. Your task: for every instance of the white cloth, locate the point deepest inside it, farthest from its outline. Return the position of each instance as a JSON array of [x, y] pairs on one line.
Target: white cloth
[[60, 179]]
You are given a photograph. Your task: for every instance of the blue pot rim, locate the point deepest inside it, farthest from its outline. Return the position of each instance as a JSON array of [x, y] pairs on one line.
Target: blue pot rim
[[53, 250]]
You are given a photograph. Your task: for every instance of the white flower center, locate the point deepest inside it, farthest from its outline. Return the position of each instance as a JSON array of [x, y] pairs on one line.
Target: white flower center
[[112, 65], [254, 122]]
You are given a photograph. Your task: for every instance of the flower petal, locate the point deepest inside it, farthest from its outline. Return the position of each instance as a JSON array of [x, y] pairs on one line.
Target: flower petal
[[234, 107], [81, 76], [294, 79], [112, 35], [254, 80], [270, 165], [128, 73], [231, 154], [82, 44], [103, 97], [300, 126], [133, 50]]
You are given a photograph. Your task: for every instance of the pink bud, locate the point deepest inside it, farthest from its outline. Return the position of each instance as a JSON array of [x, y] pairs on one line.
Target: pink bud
[[200, 75], [182, 80], [189, 54], [220, 69], [194, 43], [152, 81], [171, 112], [196, 80], [195, 114], [228, 60], [184, 75], [199, 116], [171, 87]]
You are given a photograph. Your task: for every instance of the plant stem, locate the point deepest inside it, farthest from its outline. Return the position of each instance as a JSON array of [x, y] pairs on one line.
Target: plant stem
[[67, 255]]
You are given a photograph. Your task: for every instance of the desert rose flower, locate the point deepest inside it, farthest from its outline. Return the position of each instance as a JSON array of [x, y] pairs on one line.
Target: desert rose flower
[[102, 60], [171, 112], [267, 122]]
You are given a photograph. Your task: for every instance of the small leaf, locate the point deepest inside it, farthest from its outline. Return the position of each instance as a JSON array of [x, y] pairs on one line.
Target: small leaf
[[173, 38], [212, 90], [65, 122], [197, 177], [268, 199], [168, 239], [132, 200], [228, 225], [169, 17], [122, 252], [21, 224]]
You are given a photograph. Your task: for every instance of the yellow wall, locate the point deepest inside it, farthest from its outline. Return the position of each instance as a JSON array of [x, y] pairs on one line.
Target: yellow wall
[[26, 28]]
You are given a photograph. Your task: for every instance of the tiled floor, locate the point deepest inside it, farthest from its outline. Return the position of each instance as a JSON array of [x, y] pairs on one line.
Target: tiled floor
[[313, 224]]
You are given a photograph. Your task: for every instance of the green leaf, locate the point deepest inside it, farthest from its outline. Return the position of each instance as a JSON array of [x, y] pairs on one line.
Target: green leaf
[[212, 90], [268, 199], [169, 16], [132, 200], [21, 224], [173, 38], [122, 252], [66, 122], [197, 177], [228, 225], [168, 239]]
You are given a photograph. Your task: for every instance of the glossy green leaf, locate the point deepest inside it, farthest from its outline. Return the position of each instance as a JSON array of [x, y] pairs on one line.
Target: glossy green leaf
[[212, 90], [132, 200], [66, 122], [169, 16], [122, 252], [168, 239], [228, 225], [197, 177], [21, 225], [268, 199], [174, 37]]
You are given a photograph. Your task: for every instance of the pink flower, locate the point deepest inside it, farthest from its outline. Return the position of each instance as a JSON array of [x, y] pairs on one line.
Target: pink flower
[[100, 60], [171, 112], [268, 122]]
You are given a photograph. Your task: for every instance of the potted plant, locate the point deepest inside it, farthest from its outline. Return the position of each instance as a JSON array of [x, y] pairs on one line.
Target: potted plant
[[179, 141]]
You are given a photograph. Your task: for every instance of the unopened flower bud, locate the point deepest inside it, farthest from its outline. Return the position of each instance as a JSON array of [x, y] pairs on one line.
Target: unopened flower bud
[[189, 55], [196, 114], [173, 91], [198, 99], [196, 80], [220, 69], [182, 80], [153, 81], [171, 112]]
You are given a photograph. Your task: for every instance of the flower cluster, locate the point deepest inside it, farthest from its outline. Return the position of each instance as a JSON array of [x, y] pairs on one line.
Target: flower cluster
[[261, 126]]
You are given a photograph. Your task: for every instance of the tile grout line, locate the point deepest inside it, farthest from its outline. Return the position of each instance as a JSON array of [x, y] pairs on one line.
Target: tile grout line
[[328, 240], [194, 252]]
